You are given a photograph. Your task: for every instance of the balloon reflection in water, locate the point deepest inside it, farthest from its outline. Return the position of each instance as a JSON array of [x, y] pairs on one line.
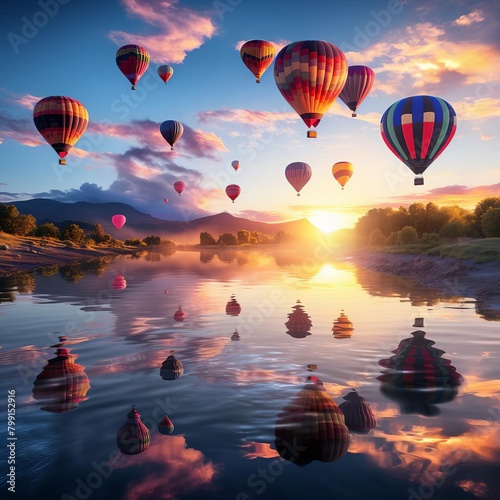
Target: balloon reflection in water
[[359, 417], [311, 427], [235, 335], [165, 426], [172, 368], [179, 314], [299, 322], [62, 385], [133, 437], [342, 327], [233, 308], [119, 282], [418, 377]]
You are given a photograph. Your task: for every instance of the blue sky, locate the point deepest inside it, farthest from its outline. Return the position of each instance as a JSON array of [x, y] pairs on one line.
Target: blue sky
[[449, 49]]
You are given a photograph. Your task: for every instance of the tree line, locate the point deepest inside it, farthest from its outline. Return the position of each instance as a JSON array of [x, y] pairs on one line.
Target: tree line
[[244, 237], [429, 223]]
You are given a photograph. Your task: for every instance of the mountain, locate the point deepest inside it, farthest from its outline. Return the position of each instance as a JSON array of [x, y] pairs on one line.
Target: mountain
[[140, 224]]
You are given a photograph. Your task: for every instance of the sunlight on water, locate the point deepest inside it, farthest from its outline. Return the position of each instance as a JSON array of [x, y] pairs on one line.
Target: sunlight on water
[[414, 374]]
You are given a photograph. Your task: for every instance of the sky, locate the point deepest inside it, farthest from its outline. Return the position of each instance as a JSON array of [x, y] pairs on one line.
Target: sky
[[446, 48]]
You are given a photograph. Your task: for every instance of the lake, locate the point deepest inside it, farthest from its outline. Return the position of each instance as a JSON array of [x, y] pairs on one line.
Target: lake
[[270, 344]]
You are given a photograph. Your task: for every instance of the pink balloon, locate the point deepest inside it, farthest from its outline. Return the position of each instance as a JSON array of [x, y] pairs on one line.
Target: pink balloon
[[118, 221]]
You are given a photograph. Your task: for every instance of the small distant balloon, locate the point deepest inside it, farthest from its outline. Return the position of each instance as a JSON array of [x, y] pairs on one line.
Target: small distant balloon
[[133, 61], [257, 56], [119, 282], [342, 171], [233, 191], [179, 187], [357, 86], [179, 314], [165, 426], [235, 164], [118, 221], [165, 72], [171, 131], [165, 200], [298, 174]]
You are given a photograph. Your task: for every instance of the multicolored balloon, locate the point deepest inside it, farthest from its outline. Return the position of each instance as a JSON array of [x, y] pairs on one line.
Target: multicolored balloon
[[171, 131], [233, 191], [257, 55], [133, 61], [235, 164], [133, 437], [165, 72], [298, 174], [417, 130], [342, 171], [359, 82], [310, 75], [118, 221], [61, 121], [179, 187]]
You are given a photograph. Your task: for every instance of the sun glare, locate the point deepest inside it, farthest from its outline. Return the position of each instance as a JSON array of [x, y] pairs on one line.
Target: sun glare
[[330, 221]]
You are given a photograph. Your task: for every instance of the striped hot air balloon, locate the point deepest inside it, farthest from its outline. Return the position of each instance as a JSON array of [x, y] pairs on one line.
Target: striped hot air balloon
[[298, 175], [417, 130], [299, 322], [358, 415], [133, 61], [342, 327], [257, 55], [61, 121], [233, 308], [165, 72], [342, 171], [171, 131], [133, 437], [172, 368], [311, 427], [358, 84], [310, 75]]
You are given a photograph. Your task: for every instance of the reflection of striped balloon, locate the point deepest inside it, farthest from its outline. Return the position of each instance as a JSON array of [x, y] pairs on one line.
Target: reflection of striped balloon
[[357, 86], [358, 415], [61, 121], [133, 437], [342, 327], [342, 171], [311, 427], [257, 55], [133, 61], [299, 322], [310, 75], [298, 175]]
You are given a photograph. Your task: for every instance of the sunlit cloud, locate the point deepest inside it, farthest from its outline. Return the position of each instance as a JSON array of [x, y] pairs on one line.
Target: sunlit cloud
[[472, 109], [20, 130], [27, 100], [261, 216], [476, 16], [254, 449], [179, 29], [266, 119]]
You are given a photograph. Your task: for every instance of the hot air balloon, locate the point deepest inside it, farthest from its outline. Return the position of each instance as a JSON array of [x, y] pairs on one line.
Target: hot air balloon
[[61, 121], [233, 191], [417, 130], [310, 75], [342, 171], [172, 368], [235, 164], [165, 425], [342, 327], [298, 174], [165, 72], [359, 82], [171, 132], [133, 437], [418, 377], [235, 335], [257, 55], [119, 282], [179, 187], [62, 385], [311, 427], [118, 221], [133, 61], [165, 200], [179, 315], [358, 415], [233, 308], [299, 322]]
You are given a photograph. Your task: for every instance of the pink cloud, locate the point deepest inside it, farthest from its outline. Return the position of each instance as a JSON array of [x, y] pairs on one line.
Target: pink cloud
[[21, 130], [472, 109], [27, 100], [476, 16], [180, 29]]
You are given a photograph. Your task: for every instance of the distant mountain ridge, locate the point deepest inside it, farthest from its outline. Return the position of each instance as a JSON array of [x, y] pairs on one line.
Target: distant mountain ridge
[[140, 224]]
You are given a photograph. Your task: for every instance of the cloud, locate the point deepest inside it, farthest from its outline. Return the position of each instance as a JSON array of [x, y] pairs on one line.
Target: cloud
[[472, 109], [27, 100], [20, 130], [476, 16], [246, 116], [180, 29], [261, 216]]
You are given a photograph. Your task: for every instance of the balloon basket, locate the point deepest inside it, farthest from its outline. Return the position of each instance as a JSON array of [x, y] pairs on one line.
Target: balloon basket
[[312, 134], [418, 181], [62, 162], [354, 115]]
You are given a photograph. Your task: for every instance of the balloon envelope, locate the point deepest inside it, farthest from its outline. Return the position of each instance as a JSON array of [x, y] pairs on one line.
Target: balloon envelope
[[359, 82], [118, 221], [171, 131], [179, 187], [418, 129], [235, 164], [165, 72], [298, 174], [257, 55], [310, 75], [233, 191], [133, 61], [61, 121], [342, 171]]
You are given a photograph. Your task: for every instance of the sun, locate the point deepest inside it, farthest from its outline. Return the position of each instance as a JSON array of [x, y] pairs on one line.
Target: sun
[[330, 221]]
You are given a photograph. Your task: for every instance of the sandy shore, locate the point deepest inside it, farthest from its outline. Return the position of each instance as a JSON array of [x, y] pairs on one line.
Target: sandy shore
[[453, 277]]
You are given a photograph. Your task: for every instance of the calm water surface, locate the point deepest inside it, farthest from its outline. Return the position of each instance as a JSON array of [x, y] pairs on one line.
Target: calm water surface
[[80, 348]]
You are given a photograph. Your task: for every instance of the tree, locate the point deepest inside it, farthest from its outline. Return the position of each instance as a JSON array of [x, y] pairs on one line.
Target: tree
[[48, 230], [23, 225], [490, 223], [207, 239], [7, 214], [98, 235], [377, 238], [73, 232], [453, 229], [152, 240], [282, 237], [481, 208], [407, 236], [226, 239], [243, 237]]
